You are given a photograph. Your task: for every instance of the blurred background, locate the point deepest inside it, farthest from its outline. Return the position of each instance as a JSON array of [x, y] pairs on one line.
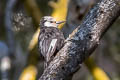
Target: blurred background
[[19, 29]]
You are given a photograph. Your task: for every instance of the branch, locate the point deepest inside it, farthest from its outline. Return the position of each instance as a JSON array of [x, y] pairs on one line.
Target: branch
[[6, 60], [83, 41], [8, 25]]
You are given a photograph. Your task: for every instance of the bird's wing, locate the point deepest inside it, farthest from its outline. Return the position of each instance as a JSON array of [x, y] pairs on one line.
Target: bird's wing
[[42, 45], [50, 41], [51, 49]]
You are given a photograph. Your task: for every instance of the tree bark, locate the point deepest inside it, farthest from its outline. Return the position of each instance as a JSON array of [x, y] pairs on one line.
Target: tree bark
[[83, 41]]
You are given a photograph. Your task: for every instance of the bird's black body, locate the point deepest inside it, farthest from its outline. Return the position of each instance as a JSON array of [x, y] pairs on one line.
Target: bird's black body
[[50, 41]]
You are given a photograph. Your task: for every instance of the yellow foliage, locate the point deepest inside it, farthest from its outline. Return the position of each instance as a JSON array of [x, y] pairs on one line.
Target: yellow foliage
[[29, 73], [34, 40], [60, 10], [97, 72]]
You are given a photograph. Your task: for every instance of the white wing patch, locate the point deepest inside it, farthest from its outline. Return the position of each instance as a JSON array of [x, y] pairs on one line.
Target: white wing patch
[[51, 47]]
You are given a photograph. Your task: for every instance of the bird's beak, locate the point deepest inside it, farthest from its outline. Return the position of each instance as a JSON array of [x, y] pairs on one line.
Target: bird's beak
[[59, 22]]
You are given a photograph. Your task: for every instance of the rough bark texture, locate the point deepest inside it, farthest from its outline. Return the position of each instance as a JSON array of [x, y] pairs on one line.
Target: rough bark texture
[[83, 41]]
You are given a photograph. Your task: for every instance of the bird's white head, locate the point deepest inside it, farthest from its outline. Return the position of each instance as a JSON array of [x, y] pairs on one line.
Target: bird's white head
[[48, 21]]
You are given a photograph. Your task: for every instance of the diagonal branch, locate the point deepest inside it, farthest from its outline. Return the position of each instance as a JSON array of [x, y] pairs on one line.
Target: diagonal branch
[[83, 41]]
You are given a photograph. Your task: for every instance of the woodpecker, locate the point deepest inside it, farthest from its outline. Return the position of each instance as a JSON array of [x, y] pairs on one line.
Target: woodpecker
[[50, 39]]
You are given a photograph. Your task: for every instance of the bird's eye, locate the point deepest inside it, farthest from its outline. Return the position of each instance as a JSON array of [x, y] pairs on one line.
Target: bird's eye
[[52, 21]]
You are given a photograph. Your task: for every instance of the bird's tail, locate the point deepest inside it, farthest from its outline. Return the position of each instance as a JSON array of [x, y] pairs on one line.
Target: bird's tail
[[45, 65]]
